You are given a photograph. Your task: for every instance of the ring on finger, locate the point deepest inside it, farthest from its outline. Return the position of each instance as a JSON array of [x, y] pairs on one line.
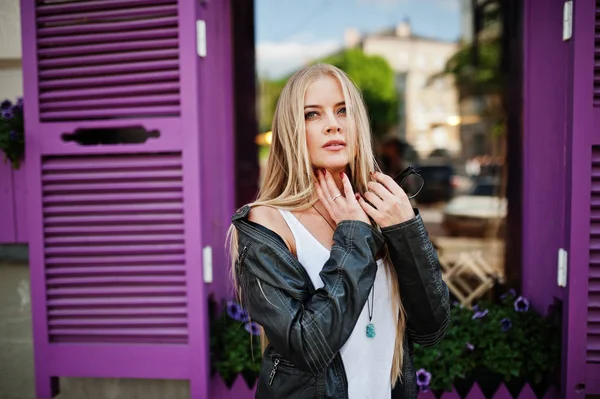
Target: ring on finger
[[336, 197]]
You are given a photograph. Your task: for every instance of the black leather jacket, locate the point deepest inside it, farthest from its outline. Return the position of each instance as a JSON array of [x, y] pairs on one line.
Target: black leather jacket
[[307, 327]]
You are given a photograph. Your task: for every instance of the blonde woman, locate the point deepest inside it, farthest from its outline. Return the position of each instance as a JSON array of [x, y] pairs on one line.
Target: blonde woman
[[332, 261]]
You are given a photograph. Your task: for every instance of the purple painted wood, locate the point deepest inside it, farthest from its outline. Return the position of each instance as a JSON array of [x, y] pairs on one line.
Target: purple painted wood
[[116, 233], [544, 139], [475, 393], [239, 389], [7, 205], [584, 119], [551, 393], [502, 393], [426, 395], [451, 395], [526, 393]]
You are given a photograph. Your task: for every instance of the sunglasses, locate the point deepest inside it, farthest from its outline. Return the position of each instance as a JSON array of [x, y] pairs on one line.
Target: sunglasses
[[410, 181]]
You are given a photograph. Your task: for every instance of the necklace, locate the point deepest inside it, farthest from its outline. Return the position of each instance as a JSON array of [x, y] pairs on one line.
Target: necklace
[[370, 330]]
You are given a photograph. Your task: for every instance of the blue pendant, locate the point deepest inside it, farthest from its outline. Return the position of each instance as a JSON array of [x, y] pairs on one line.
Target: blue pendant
[[370, 330]]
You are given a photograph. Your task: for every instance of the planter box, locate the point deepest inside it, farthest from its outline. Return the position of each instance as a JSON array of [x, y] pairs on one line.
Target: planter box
[[240, 390]]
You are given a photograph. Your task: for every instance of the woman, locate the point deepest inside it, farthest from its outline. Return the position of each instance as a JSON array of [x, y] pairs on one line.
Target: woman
[[332, 260]]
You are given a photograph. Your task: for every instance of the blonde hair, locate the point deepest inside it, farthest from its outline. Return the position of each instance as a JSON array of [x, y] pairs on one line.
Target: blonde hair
[[289, 181]]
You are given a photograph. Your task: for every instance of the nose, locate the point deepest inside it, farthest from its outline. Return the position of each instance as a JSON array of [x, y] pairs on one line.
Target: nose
[[335, 128]]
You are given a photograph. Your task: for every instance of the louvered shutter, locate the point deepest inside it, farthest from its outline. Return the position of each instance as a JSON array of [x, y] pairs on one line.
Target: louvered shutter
[[582, 311], [117, 228]]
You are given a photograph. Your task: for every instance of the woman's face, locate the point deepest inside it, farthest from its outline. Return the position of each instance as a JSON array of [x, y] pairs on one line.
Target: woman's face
[[326, 124]]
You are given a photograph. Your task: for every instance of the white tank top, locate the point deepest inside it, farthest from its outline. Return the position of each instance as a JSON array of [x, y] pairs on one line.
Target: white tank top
[[368, 361]]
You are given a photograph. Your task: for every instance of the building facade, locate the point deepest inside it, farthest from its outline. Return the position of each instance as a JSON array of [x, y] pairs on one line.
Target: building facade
[[429, 107]]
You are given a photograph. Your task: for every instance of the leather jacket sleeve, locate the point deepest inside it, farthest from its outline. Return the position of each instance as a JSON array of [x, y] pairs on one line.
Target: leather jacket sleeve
[[423, 291], [306, 326]]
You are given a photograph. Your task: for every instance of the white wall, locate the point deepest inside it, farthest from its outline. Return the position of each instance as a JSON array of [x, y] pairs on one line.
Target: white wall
[[11, 76]]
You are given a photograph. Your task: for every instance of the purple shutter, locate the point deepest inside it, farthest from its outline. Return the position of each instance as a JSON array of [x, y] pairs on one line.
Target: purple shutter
[[116, 231], [581, 345]]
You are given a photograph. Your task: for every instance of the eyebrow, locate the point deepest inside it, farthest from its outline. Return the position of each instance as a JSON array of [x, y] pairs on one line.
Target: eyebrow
[[318, 106]]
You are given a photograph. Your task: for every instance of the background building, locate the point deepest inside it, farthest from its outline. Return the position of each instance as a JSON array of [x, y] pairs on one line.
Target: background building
[[428, 106]]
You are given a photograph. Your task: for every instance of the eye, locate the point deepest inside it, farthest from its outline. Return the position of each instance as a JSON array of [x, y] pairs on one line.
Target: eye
[[311, 115], [342, 111]]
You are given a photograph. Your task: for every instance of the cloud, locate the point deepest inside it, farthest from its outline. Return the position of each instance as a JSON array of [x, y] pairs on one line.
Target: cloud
[[275, 59]]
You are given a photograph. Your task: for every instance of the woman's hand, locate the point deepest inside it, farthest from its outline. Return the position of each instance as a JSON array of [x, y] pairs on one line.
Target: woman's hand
[[341, 206], [389, 203]]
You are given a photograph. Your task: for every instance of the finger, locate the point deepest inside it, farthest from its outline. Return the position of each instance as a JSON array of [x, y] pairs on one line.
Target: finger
[[348, 191], [388, 183], [325, 201], [333, 189], [369, 210], [323, 184], [381, 191], [377, 202]]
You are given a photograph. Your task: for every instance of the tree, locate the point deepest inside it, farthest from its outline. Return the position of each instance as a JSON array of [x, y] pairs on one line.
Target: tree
[[373, 76]]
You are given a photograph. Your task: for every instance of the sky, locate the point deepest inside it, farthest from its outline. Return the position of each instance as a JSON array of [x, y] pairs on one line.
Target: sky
[[291, 32]]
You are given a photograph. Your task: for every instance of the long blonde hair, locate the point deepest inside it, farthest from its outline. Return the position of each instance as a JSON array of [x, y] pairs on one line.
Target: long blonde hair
[[289, 181]]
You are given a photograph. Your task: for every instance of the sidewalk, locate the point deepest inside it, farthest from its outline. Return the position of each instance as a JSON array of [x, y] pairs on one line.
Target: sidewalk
[[16, 347]]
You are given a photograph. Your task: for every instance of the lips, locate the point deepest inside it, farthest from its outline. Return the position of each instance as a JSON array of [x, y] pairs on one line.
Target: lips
[[335, 145]]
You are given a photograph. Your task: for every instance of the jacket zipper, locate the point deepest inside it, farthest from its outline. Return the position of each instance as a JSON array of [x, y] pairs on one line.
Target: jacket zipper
[[276, 241], [273, 371], [242, 256]]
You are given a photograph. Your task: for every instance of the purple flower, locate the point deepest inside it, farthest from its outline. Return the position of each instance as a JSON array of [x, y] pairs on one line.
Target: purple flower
[[19, 103], [252, 328], [423, 379], [521, 304], [470, 346], [8, 114], [475, 308], [506, 324], [479, 314], [12, 135], [510, 292], [236, 312], [6, 104]]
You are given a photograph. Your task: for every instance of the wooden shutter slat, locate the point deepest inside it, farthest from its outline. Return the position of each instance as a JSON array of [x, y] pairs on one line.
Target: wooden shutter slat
[[148, 311], [106, 48], [112, 219], [112, 162], [167, 111], [134, 259], [138, 186], [133, 175], [104, 70], [153, 23], [103, 14], [115, 301], [117, 290], [112, 59], [122, 37], [102, 280], [133, 103], [135, 321], [113, 208], [112, 197], [92, 81], [115, 270], [101, 250], [55, 7], [116, 239], [139, 332], [129, 90]]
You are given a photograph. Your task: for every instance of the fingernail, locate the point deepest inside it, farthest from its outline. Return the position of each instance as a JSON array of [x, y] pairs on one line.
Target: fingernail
[[342, 175], [371, 173], [357, 196]]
